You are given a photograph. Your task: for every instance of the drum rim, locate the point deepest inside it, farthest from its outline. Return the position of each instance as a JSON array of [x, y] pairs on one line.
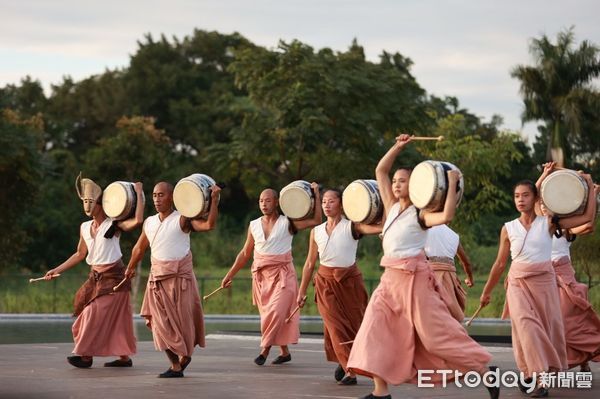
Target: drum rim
[[562, 174], [128, 189], [373, 212], [302, 186]]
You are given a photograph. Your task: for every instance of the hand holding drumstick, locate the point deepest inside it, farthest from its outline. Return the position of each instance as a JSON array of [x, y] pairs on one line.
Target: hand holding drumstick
[[294, 312], [46, 277]]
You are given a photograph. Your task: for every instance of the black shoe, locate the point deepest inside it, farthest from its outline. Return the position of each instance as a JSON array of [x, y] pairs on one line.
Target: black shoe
[[282, 359], [77, 361], [522, 387], [185, 364], [170, 373], [260, 360], [493, 391], [339, 373], [119, 363], [540, 392], [371, 396], [348, 381]]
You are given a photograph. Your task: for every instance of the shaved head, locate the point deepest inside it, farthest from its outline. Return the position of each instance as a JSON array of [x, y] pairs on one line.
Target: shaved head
[[162, 196], [268, 201], [164, 186], [270, 192]]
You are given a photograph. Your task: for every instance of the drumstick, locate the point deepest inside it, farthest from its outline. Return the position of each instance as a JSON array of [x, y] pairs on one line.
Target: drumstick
[[205, 297], [295, 310], [346, 343], [31, 280], [424, 138], [468, 323], [116, 287]]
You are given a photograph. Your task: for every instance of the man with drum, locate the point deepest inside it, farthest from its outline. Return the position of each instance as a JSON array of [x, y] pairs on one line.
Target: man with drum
[[104, 324], [274, 281], [339, 287], [407, 326], [171, 303]]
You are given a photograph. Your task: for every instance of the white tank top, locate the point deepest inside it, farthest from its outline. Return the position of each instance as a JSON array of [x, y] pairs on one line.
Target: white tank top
[[167, 240], [538, 245], [101, 251], [279, 241], [441, 241], [560, 248], [403, 237], [339, 248]]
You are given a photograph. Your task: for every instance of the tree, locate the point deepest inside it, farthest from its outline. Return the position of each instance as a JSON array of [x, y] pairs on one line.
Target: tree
[[557, 88]]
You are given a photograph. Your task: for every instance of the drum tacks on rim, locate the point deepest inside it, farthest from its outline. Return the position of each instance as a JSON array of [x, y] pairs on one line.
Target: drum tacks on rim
[[119, 200], [192, 194], [361, 201], [428, 185], [564, 193], [297, 200]]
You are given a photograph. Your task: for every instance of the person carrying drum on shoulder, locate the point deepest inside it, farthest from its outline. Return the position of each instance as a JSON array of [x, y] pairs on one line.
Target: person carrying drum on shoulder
[[339, 287], [582, 324], [532, 295], [104, 324], [442, 245], [407, 326], [171, 304], [274, 281]]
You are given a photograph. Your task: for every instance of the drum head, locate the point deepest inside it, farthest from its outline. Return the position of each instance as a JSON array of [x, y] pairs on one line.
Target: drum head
[[295, 202], [114, 199], [188, 198], [564, 192], [356, 202], [422, 184]]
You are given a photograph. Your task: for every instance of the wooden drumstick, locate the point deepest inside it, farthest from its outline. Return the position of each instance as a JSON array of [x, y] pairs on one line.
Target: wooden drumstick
[[32, 280], [425, 138], [468, 323], [346, 343], [295, 310], [205, 297], [116, 287]]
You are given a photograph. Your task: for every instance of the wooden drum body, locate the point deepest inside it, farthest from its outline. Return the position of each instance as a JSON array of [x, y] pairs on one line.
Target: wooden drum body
[[119, 200], [297, 200], [428, 185], [192, 194], [564, 193], [362, 202]]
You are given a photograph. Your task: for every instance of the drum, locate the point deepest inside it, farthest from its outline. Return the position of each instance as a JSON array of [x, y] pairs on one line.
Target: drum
[[564, 192], [428, 185], [119, 200], [362, 202], [191, 195], [297, 200]]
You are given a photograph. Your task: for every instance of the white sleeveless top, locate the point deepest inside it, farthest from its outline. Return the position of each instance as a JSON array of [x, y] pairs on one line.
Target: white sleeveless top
[[560, 248], [441, 241], [279, 241], [538, 245], [403, 237], [101, 251], [339, 248], [167, 240]]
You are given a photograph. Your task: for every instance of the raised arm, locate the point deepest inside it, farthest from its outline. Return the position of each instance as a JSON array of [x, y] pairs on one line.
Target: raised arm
[[548, 168], [240, 260], [497, 268], [308, 269], [137, 253], [317, 218], [73, 260], [211, 221], [590, 209], [138, 217], [466, 264], [446, 215], [382, 172]]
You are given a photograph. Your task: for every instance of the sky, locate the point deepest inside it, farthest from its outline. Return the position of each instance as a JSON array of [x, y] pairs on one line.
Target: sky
[[461, 48]]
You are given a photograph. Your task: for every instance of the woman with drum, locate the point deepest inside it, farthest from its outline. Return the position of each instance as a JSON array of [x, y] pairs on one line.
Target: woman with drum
[[407, 326], [274, 281], [582, 324], [532, 296], [104, 324], [339, 287], [441, 247]]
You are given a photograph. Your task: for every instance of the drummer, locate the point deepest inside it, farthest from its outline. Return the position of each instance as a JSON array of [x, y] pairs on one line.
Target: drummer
[[407, 326], [171, 305], [441, 247], [339, 287], [532, 295], [104, 323], [274, 281]]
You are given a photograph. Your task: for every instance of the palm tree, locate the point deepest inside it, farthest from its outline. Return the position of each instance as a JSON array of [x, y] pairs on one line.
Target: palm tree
[[558, 87]]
